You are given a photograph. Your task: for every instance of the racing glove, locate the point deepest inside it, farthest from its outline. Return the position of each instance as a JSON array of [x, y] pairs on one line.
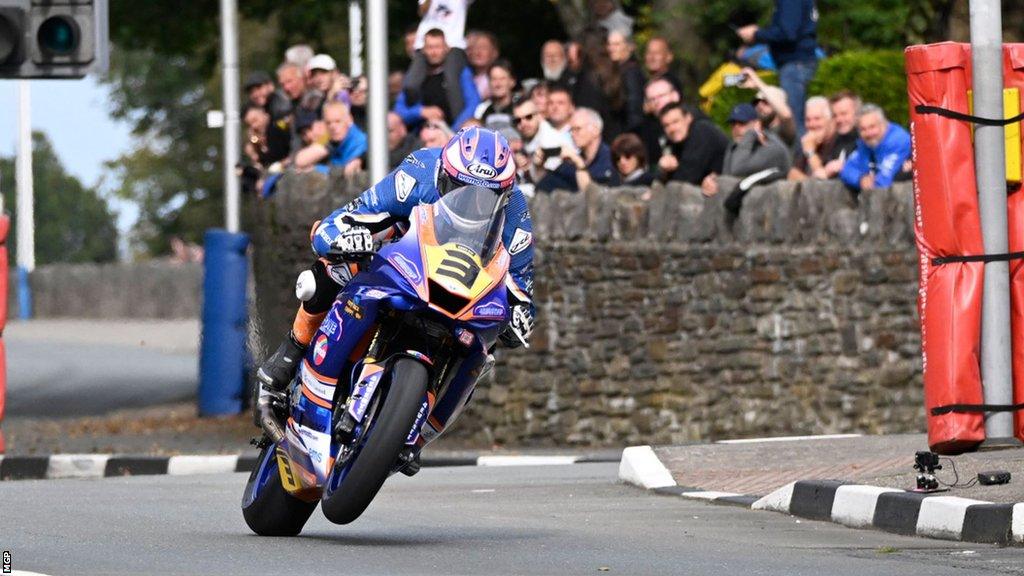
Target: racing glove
[[351, 241], [520, 326]]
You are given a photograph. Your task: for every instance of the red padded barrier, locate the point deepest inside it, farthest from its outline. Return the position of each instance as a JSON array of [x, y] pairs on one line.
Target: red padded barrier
[[1013, 77], [947, 223], [5, 226]]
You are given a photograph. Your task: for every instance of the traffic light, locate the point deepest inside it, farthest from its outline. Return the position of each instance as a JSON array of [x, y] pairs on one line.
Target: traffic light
[[53, 38]]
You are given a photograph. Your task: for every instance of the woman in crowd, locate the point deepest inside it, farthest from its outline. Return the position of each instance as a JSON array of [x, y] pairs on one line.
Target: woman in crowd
[[600, 84], [630, 160]]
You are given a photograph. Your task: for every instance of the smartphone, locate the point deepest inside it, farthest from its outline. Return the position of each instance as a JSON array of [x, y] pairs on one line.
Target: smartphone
[[551, 152], [730, 80]]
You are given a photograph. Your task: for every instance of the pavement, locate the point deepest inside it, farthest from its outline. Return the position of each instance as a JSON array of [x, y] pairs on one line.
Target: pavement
[[858, 481]]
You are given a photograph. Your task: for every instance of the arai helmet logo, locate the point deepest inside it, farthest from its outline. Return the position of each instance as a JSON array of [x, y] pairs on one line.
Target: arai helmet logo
[[482, 170]]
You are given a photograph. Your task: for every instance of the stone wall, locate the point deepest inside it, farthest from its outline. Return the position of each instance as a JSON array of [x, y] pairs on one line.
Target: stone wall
[[664, 317], [148, 290]]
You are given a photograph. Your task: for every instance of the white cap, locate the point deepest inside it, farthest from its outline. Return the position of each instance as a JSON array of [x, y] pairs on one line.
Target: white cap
[[321, 62]]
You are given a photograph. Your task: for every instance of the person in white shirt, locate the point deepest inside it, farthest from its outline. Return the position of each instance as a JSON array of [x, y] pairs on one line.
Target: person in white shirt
[[538, 134], [449, 16]]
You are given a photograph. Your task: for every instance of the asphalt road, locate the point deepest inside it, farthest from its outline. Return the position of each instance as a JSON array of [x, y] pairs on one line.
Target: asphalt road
[[573, 519]]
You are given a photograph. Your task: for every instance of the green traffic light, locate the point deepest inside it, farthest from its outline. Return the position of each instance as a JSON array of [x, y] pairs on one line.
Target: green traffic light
[[58, 36]]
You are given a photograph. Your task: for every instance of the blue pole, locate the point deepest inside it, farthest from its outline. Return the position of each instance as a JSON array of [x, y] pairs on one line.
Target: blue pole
[[24, 295], [222, 358]]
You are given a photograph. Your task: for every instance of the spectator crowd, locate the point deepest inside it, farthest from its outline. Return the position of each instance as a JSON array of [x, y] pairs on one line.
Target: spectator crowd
[[602, 111]]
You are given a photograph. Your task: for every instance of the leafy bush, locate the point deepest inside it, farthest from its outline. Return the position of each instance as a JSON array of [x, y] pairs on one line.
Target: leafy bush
[[878, 76]]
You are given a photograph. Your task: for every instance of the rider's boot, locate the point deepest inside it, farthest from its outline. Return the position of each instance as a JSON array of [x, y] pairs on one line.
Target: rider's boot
[[278, 370]]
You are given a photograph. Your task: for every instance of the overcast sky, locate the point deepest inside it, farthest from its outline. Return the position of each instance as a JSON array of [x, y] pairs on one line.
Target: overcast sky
[[73, 114]]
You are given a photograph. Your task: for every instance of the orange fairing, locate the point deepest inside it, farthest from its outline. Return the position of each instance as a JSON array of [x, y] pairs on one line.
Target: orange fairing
[[455, 269]]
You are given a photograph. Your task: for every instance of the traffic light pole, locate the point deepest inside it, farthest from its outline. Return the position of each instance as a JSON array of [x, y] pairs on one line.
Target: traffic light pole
[[25, 217], [989, 155], [232, 137], [377, 59]]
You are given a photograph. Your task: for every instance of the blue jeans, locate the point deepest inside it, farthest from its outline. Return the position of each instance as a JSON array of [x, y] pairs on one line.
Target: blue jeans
[[794, 78]]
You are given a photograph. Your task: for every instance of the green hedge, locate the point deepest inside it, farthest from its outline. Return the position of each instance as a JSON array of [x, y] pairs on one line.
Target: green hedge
[[877, 75]]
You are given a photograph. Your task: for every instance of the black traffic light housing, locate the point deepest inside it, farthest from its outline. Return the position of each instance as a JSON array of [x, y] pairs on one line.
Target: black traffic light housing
[[52, 38]]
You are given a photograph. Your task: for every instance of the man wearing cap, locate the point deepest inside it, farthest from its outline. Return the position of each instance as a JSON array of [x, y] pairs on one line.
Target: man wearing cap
[[695, 146], [752, 150], [325, 79]]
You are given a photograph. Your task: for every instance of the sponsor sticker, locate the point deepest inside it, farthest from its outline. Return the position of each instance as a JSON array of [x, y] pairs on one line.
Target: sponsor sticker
[[329, 326], [407, 267], [404, 183], [375, 294], [320, 350], [490, 310], [520, 241]]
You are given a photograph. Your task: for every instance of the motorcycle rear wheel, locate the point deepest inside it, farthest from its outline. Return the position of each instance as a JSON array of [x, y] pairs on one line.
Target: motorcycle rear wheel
[[273, 511], [364, 476]]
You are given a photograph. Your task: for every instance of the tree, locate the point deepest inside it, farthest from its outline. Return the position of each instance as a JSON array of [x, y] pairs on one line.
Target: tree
[[72, 223]]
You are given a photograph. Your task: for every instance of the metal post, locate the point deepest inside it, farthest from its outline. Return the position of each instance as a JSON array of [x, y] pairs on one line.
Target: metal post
[[377, 56], [25, 217], [989, 159], [355, 38], [232, 143]]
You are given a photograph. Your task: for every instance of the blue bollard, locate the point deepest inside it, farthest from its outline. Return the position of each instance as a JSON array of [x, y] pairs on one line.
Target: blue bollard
[[222, 355], [24, 295]]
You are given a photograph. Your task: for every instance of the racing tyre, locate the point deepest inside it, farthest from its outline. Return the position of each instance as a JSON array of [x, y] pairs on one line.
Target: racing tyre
[[268, 508], [352, 485]]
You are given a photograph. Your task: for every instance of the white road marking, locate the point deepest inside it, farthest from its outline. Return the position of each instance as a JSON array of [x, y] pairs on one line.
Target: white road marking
[[708, 495], [525, 460], [788, 439]]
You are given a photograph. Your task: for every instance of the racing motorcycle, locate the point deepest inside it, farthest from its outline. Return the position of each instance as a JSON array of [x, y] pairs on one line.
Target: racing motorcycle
[[394, 361]]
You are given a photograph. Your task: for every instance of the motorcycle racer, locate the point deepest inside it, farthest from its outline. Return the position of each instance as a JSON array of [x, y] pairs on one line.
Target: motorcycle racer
[[474, 156]]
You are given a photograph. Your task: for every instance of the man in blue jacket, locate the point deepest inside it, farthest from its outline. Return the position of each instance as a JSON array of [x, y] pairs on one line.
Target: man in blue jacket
[[435, 103], [792, 39], [882, 152]]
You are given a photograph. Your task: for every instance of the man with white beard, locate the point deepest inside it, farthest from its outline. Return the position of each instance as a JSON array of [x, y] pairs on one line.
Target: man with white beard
[[554, 63]]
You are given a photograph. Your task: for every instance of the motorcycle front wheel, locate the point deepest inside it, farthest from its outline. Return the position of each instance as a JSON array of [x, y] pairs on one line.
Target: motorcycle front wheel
[[352, 485], [268, 508]]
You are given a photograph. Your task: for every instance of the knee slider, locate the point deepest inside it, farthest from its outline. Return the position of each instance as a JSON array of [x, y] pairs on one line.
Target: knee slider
[[305, 286]]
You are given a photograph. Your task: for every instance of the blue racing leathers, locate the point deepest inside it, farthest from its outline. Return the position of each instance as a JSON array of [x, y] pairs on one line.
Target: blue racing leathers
[[388, 204]]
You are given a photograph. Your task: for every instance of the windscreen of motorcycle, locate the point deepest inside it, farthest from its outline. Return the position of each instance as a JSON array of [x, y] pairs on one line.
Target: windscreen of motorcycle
[[471, 216]]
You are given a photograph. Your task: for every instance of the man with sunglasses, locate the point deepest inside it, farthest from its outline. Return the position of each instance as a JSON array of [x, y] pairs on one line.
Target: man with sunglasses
[[538, 133]]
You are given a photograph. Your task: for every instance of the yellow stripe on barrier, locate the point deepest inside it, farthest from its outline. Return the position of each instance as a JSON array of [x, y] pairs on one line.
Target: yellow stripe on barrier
[[1011, 108]]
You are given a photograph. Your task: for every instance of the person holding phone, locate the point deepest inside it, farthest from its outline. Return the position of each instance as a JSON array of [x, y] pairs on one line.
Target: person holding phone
[[592, 163], [753, 149]]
